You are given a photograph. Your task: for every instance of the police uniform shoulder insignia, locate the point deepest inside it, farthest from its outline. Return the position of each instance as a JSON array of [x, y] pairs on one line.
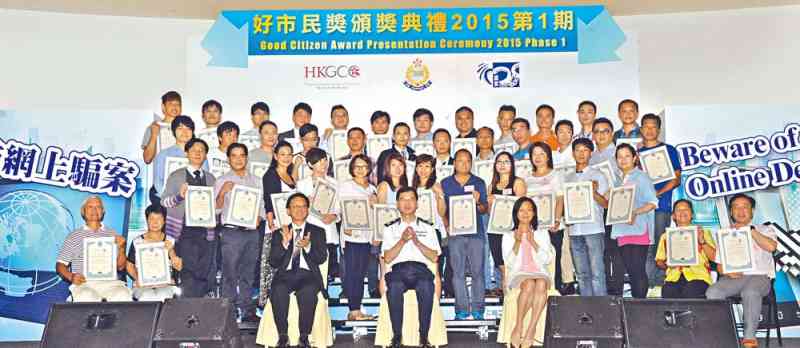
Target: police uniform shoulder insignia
[[395, 221], [425, 221]]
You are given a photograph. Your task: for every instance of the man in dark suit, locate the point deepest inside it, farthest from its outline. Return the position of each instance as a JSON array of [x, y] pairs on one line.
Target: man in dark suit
[[401, 134], [301, 115], [297, 251]]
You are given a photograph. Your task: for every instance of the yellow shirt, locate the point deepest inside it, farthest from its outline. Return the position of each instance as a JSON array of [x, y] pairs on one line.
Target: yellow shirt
[[699, 271]]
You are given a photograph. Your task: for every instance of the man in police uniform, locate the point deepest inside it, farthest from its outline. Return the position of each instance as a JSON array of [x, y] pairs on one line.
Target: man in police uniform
[[409, 243]]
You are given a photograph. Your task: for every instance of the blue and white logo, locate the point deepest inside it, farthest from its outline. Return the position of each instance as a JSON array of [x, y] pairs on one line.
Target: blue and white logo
[[499, 75]]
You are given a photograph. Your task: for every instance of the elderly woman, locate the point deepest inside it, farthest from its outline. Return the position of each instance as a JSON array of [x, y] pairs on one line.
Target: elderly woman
[[527, 255]]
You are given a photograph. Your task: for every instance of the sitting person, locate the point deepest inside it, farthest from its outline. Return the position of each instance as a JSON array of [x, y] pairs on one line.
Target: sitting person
[[686, 281], [155, 216], [70, 264], [296, 253], [527, 254], [409, 243], [754, 285]]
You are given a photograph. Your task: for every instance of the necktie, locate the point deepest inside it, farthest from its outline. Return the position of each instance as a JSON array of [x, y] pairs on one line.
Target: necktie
[[296, 257], [197, 175]]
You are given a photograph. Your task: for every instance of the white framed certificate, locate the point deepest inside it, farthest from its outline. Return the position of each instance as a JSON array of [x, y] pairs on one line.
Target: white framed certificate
[[411, 167], [463, 215], [463, 143], [511, 148], [257, 168], [341, 170], [443, 172], [100, 258], [384, 214], [426, 205], [217, 163], [355, 213], [564, 170], [243, 208], [630, 141], [620, 205], [279, 210], [199, 207], [501, 218], [578, 203], [523, 168], [484, 170], [681, 243], [152, 265], [209, 135], [545, 207], [337, 144], [607, 170], [251, 141], [735, 248], [421, 147], [303, 170], [165, 136], [171, 164], [323, 198], [377, 144], [657, 164]]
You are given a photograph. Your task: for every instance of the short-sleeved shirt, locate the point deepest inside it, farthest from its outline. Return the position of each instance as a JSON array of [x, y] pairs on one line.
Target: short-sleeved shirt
[[260, 156], [582, 135], [607, 154], [159, 177], [763, 259], [425, 233], [140, 240], [147, 134], [504, 139], [665, 200], [351, 189], [634, 133], [452, 187], [641, 232], [248, 180], [551, 141], [700, 271], [596, 226], [523, 153], [71, 253], [217, 162]]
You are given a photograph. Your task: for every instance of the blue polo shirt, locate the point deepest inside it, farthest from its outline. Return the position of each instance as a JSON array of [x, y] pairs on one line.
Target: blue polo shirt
[[620, 134], [451, 187], [665, 200], [523, 153]]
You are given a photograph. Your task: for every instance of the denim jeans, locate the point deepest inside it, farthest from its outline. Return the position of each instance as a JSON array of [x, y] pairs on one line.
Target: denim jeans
[[655, 275], [587, 254], [467, 250], [489, 270]]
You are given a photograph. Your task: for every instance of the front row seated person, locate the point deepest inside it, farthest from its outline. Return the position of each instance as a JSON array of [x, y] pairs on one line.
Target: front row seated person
[[155, 216], [70, 264], [409, 244], [297, 251], [754, 285]]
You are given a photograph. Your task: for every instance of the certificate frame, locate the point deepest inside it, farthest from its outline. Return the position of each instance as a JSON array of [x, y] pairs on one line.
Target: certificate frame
[[337, 144], [423, 147], [303, 170], [145, 275], [384, 214], [584, 191], [341, 170], [426, 205], [196, 195], [251, 141], [725, 238], [565, 170], [624, 195], [172, 163], [218, 166], [209, 135], [502, 207], [464, 207], [279, 211], [679, 238], [377, 144], [320, 206], [355, 207], [511, 148], [545, 201], [258, 168], [484, 170], [106, 271], [630, 141], [248, 218], [523, 168], [607, 170], [165, 137], [463, 143], [443, 172], [657, 164]]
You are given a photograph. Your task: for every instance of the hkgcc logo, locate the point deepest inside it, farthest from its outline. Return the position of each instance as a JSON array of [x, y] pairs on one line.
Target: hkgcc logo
[[332, 76], [499, 74]]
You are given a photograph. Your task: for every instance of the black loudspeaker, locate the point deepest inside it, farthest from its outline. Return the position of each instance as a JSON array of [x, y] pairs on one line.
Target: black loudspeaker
[[672, 323], [197, 322], [101, 325], [584, 322]]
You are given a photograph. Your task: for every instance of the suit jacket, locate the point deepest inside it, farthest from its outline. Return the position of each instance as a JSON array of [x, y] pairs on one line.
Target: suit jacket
[[271, 183], [171, 200], [279, 258], [286, 135], [385, 154]]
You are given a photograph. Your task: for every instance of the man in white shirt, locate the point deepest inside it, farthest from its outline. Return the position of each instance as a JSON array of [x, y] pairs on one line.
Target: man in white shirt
[[751, 286], [409, 244]]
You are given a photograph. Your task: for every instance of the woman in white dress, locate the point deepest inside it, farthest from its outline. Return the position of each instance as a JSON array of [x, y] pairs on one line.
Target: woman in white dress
[[527, 255]]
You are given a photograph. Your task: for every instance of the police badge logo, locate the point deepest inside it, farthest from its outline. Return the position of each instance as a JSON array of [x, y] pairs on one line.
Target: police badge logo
[[417, 76]]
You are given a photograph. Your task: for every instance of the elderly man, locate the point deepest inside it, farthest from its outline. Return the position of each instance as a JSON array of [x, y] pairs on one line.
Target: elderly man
[[70, 264]]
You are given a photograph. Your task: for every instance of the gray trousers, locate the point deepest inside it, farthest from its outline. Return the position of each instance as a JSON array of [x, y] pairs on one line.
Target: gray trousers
[[655, 275], [240, 251], [751, 288]]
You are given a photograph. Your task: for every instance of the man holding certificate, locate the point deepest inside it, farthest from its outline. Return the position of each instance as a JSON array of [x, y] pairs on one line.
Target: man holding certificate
[[151, 258], [752, 285], [91, 256], [466, 248], [239, 198]]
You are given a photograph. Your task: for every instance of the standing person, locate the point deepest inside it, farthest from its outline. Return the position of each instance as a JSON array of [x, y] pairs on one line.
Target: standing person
[[240, 248], [635, 237], [628, 111], [227, 133], [425, 179], [394, 178], [485, 143], [504, 182], [562, 155], [545, 117], [441, 144], [400, 136], [379, 122], [587, 112], [339, 121], [356, 142], [259, 112], [309, 138], [521, 132], [465, 123], [155, 216], [170, 108], [467, 249], [211, 113], [505, 116], [183, 131], [587, 240], [196, 246], [754, 285], [268, 132], [301, 115], [423, 122]]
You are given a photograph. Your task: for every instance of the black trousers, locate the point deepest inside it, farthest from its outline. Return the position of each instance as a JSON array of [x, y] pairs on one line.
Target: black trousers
[[333, 260], [357, 257], [305, 287], [410, 276], [557, 239], [197, 254], [635, 258], [684, 289], [615, 268]]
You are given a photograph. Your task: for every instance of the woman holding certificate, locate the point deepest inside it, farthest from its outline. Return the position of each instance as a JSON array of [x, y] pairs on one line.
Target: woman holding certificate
[[528, 254], [309, 138], [151, 258], [425, 181], [506, 183], [635, 236], [357, 241]]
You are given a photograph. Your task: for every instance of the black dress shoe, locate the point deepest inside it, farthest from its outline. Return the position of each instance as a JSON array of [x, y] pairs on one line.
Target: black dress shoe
[[283, 341], [304, 342], [396, 342], [424, 343]]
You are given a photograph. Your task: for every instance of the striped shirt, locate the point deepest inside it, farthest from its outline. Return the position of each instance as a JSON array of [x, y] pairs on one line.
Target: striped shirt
[[71, 253]]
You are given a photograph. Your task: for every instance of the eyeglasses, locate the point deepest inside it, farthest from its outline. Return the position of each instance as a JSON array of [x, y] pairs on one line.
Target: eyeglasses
[[505, 163], [357, 166]]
